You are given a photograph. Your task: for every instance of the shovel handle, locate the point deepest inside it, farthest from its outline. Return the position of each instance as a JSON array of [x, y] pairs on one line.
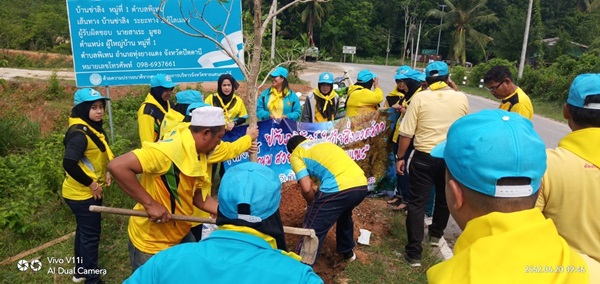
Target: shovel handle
[[177, 217]]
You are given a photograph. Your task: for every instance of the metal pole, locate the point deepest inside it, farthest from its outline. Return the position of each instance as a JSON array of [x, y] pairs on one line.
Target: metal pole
[[110, 120], [387, 51], [274, 29], [437, 51], [525, 40]]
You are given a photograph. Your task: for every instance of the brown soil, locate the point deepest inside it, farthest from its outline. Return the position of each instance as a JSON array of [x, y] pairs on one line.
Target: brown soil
[[329, 263]]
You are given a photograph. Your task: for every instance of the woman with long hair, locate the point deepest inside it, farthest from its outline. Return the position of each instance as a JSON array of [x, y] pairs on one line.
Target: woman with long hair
[[85, 161]]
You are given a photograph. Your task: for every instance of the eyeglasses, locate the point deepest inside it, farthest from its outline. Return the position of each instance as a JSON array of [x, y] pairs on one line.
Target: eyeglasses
[[493, 88]]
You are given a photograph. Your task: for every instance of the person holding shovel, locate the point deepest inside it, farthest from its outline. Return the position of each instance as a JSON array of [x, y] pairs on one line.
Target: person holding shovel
[[173, 172], [343, 186], [243, 249], [86, 157]]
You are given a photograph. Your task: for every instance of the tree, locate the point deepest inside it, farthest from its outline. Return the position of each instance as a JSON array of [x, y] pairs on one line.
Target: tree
[[313, 15], [252, 70], [464, 16]]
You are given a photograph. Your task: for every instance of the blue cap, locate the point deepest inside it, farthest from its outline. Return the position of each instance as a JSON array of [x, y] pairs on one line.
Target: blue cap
[[189, 97], [326, 77], [409, 74], [162, 80], [280, 71], [87, 95], [252, 184], [489, 145], [436, 69], [365, 76], [584, 85], [194, 106]]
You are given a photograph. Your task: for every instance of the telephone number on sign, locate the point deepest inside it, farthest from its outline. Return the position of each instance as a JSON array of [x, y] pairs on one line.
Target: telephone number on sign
[[154, 64], [554, 269]]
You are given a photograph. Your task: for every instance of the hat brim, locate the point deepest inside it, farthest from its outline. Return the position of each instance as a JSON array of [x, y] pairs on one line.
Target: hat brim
[[438, 151]]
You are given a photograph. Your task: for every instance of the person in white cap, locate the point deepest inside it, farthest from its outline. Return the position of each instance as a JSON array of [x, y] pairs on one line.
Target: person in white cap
[[173, 172], [87, 154], [152, 111], [570, 193], [494, 166], [244, 248]]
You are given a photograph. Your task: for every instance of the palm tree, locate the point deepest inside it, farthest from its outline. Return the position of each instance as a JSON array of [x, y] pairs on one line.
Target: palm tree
[[313, 13], [463, 16]]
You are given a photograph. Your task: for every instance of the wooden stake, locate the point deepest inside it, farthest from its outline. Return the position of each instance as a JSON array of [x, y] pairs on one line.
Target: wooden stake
[[28, 252]]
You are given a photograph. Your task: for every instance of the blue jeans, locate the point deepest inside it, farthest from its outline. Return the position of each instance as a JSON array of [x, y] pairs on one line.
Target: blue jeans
[[87, 237], [330, 208]]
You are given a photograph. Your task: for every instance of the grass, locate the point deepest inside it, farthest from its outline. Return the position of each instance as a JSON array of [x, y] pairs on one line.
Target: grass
[[544, 108], [385, 263]]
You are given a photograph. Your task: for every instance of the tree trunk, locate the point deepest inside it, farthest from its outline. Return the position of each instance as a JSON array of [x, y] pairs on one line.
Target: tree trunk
[[254, 70]]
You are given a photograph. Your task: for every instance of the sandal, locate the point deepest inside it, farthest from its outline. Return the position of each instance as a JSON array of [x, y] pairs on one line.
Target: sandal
[[400, 207], [393, 200]]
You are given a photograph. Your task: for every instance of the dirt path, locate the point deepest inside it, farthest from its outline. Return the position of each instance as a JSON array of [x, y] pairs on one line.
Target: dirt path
[[12, 73]]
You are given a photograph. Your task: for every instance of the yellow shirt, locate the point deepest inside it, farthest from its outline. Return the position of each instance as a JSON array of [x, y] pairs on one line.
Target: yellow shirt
[[275, 103], [329, 164], [93, 163], [172, 173], [570, 193], [149, 123], [430, 114], [233, 110], [361, 100], [518, 102], [519, 247]]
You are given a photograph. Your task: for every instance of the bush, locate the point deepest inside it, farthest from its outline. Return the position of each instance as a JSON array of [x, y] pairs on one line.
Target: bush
[[458, 74], [53, 90], [19, 134], [478, 72]]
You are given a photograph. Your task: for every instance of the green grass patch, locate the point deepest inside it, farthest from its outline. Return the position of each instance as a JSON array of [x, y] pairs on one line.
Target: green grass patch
[[544, 108], [385, 263]]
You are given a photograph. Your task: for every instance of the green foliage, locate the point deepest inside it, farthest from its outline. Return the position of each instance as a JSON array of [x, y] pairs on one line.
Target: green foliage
[[29, 180], [552, 84], [19, 134], [478, 72], [53, 90], [458, 74]]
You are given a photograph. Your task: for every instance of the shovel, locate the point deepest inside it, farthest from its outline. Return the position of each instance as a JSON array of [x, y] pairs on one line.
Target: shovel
[[309, 246]]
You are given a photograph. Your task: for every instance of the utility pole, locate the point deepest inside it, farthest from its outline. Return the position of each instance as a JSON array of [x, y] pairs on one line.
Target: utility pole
[[274, 35], [387, 51], [437, 50], [417, 49], [525, 40]]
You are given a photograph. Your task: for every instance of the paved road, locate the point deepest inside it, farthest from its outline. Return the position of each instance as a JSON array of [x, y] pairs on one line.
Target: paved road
[[551, 131]]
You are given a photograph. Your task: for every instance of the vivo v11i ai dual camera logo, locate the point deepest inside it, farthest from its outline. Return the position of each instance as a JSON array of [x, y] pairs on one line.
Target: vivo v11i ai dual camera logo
[[35, 265]]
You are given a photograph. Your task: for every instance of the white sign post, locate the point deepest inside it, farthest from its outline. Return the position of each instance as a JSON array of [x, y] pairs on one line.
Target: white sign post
[[349, 50]]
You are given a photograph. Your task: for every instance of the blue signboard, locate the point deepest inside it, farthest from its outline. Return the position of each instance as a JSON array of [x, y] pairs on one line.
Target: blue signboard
[[123, 42]]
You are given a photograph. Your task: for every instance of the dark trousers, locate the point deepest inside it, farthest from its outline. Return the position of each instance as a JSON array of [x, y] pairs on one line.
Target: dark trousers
[[425, 172], [330, 208], [402, 181], [87, 237]]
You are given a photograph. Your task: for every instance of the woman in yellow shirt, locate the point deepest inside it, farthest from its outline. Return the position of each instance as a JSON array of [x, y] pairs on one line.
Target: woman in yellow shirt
[[85, 161], [278, 101], [360, 98], [225, 98]]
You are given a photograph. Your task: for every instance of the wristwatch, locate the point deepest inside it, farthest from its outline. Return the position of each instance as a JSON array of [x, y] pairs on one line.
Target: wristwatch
[[398, 159]]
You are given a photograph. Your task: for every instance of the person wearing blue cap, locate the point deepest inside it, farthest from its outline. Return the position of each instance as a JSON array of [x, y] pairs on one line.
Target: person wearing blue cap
[[152, 111], [243, 248], [173, 173], [225, 98], [178, 112], [570, 193], [491, 189], [278, 101], [499, 82], [408, 82], [360, 98], [87, 154], [322, 103], [343, 186], [427, 119]]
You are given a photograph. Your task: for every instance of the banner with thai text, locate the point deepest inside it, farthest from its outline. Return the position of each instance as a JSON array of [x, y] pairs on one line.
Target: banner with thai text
[[365, 138]]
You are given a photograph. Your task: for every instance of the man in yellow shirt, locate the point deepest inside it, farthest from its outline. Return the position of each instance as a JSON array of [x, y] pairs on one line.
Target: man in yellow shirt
[[491, 190], [427, 119], [342, 186], [499, 82], [360, 98], [173, 173], [570, 193]]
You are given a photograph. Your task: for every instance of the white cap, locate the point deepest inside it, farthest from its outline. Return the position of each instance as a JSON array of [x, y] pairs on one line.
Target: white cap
[[208, 116]]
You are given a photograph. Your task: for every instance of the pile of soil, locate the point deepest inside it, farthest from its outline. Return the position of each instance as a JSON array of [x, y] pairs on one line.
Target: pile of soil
[[330, 263]]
